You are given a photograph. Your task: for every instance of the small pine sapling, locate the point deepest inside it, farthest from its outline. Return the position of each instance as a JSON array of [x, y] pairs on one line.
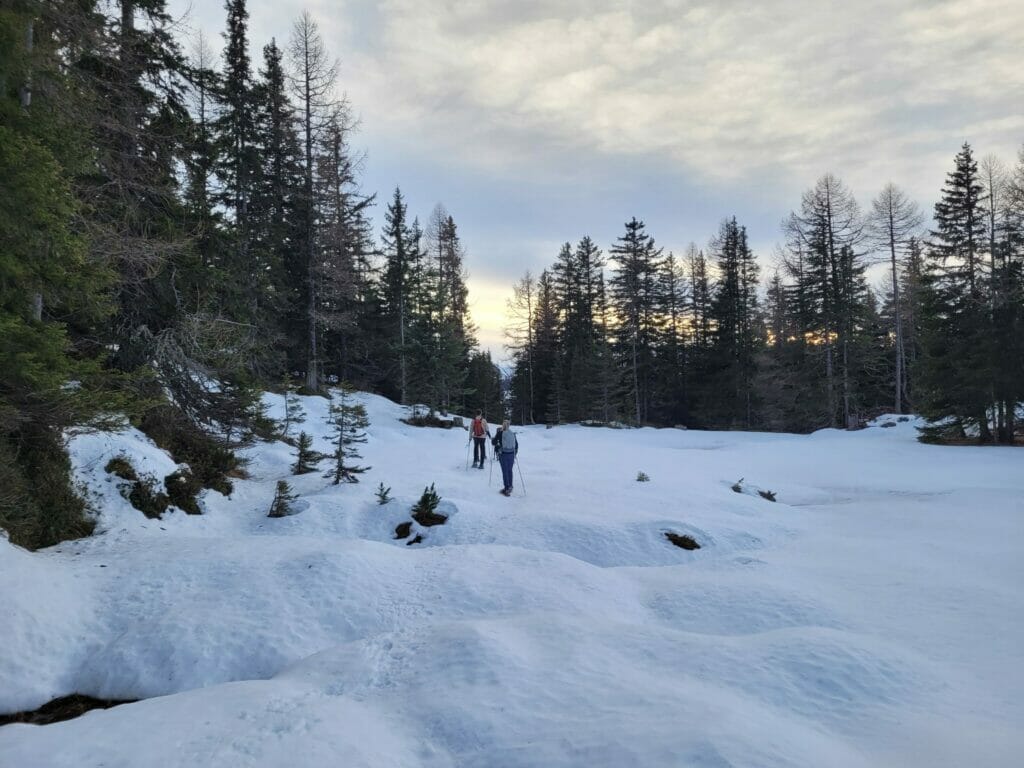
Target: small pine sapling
[[424, 511], [293, 411], [769, 495], [349, 419], [281, 506], [643, 477], [738, 486], [306, 459], [428, 501], [383, 496]]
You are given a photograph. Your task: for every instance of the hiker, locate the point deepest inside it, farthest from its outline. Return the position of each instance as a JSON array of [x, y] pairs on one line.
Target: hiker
[[506, 446], [478, 433]]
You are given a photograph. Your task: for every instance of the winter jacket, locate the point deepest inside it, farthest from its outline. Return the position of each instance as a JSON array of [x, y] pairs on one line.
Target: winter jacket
[[499, 442]]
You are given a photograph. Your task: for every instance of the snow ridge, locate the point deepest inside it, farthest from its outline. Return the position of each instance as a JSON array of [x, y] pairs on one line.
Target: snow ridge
[[870, 617]]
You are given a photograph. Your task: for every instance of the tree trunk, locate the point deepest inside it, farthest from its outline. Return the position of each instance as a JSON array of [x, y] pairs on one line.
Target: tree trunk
[[312, 365], [26, 88], [898, 316]]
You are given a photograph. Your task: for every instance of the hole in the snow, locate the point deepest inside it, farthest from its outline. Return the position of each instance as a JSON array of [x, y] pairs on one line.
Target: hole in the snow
[[64, 708], [682, 540], [402, 530]]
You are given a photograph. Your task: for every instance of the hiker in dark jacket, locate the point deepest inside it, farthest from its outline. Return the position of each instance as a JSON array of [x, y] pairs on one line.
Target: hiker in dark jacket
[[478, 433], [506, 446]]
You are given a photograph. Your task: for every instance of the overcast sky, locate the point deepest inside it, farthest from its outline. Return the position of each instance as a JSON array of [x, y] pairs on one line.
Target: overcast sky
[[538, 122]]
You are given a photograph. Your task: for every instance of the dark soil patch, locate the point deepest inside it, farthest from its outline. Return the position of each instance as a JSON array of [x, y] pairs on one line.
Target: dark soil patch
[[64, 708], [427, 519], [682, 540], [417, 540], [430, 420], [402, 530]]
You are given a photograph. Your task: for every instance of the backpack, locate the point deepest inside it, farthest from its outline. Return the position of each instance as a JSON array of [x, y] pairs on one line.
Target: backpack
[[508, 441], [478, 427]]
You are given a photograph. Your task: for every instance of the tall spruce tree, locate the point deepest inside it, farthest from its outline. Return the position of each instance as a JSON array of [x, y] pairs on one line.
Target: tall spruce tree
[[633, 294], [401, 283], [673, 304], [277, 214], [736, 338], [239, 166], [955, 371]]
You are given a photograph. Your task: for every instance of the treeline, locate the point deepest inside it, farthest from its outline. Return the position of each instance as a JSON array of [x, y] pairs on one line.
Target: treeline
[[179, 232], [643, 337]]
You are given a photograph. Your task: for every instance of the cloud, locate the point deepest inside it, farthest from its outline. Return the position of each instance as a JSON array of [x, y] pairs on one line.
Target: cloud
[[722, 91], [537, 122]]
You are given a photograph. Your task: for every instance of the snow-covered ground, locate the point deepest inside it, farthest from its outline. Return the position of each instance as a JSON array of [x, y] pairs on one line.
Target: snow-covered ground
[[873, 616]]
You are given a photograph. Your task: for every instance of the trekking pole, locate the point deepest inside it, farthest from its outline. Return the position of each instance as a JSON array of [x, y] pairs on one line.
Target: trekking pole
[[521, 481], [490, 473], [467, 454]]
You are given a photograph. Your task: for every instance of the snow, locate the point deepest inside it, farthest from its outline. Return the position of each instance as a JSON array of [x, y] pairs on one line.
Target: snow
[[872, 616]]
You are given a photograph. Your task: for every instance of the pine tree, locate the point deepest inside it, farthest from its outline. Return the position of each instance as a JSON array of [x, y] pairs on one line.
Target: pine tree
[[284, 497], [306, 458], [343, 243], [1008, 302], [698, 372], [277, 216], [547, 352], [955, 372], [893, 223], [293, 410], [312, 78], [450, 338], [201, 158], [484, 385], [349, 419], [400, 282], [53, 296], [824, 240], [239, 163], [736, 339], [520, 341], [634, 302], [673, 301]]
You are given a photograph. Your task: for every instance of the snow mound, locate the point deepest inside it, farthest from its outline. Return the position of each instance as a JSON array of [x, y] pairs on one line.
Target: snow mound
[[870, 617]]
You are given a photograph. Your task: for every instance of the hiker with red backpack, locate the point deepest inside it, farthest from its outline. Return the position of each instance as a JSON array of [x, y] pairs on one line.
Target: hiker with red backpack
[[478, 433]]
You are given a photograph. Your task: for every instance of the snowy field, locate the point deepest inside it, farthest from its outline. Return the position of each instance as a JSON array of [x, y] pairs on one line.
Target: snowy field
[[873, 616]]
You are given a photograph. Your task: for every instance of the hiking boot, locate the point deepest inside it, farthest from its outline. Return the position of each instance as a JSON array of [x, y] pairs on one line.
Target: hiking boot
[[505, 492]]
